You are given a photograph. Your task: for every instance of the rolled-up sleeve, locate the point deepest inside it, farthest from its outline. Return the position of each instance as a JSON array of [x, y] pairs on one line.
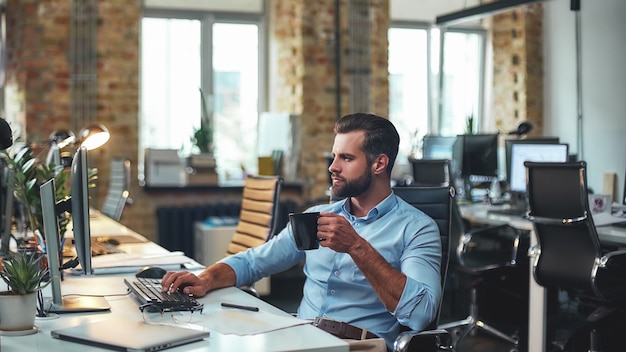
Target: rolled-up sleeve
[[421, 263]]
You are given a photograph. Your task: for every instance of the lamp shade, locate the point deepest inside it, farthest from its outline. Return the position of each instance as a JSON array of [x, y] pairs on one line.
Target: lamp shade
[[93, 136], [6, 134]]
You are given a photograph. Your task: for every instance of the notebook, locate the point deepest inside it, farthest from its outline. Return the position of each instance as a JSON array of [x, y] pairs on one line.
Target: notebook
[[123, 334]]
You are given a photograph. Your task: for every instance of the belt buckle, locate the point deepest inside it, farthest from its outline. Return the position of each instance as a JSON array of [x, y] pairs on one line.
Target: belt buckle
[[342, 332]]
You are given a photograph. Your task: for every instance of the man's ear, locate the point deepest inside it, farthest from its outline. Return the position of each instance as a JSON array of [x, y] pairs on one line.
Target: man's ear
[[380, 164]]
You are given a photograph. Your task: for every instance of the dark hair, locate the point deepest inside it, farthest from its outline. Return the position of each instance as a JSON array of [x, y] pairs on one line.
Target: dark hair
[[381, 137]]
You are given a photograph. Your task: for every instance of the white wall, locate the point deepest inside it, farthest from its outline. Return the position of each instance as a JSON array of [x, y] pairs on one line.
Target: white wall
[[426, 10], [603, 80]]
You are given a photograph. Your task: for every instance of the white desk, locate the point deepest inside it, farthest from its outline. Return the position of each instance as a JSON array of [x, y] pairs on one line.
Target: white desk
[[537, 295], [294, 338], [302, 337]]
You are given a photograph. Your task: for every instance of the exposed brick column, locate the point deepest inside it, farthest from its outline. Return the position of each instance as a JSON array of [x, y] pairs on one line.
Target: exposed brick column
[[305, 37], [518, 68]]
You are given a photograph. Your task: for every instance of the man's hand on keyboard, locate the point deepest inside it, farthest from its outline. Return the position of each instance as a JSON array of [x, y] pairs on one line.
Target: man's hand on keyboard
[[216, 276]]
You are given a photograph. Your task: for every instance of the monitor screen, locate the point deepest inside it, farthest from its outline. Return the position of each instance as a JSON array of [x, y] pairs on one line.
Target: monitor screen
[[52, 238], [430, 172], [437, 147], [6, 211], [532, 152], [534, 140], [80, 209], [624, 195], [476, 155]]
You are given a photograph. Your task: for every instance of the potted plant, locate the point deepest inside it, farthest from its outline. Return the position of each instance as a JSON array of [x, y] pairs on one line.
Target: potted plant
[[202, 137], [25, 277]]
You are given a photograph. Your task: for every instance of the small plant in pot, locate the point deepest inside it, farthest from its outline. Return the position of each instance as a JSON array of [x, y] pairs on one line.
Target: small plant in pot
[[25, 276]]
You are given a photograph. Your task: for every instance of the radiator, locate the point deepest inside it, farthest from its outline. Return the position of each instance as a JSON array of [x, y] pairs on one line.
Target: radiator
[[175, 224]]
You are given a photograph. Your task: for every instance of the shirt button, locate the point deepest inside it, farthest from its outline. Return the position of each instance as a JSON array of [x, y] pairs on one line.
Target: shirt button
[[323, 315], [337, 273], [332, 292]]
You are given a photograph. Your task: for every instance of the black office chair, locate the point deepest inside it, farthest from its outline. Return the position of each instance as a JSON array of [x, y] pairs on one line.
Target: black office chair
[[435, 202], [118, 193], [493, 256], [568, 254]]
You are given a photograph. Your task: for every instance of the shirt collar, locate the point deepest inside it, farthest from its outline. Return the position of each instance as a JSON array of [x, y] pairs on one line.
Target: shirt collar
[[376, 212]]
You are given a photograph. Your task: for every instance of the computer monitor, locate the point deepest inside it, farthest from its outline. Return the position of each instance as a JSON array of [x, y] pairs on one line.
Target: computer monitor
[[80, 209], [475, 155], [533, 140], [430, 172], [437, 147], [624, 195], [50, 211], [521, 152], [6, 211]]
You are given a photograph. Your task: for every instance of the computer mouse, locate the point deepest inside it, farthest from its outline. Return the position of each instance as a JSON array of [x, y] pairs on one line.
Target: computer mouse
[[108, 240], [150, 272]]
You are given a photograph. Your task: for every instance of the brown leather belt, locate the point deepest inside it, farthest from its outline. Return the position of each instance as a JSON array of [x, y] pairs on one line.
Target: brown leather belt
[[343, 330]]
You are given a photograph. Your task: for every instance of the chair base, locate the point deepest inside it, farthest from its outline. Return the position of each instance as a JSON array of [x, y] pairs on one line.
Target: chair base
[[469, 324]]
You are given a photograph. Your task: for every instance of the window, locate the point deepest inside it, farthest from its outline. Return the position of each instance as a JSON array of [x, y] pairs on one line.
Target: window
[[424, 98], [461, 80], [220, 56], [408, 85]]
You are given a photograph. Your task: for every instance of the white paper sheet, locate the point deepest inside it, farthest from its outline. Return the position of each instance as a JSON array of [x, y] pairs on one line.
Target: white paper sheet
[[241, 322]]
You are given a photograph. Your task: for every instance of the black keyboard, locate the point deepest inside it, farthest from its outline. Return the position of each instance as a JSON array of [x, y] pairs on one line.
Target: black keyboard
[[148, 292]]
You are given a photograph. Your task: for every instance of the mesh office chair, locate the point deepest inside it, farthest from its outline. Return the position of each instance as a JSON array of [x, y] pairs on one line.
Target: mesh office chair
[[568, 254], [117, 196], [435, 202]]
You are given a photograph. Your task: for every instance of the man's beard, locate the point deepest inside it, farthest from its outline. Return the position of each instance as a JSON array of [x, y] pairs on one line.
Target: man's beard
[[353, 188]]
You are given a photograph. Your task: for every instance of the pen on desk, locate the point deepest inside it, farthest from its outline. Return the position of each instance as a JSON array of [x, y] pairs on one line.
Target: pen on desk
[[250, 308]]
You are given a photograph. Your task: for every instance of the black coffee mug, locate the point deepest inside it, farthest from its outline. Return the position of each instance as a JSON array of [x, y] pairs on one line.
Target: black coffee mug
[[304, 228]]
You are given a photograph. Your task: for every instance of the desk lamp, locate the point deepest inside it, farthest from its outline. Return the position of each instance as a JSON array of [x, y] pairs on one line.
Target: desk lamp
[[93, 136], [90, 137]]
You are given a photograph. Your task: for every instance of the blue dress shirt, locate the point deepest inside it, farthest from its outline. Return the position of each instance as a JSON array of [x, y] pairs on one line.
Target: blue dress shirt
[[335, 288]]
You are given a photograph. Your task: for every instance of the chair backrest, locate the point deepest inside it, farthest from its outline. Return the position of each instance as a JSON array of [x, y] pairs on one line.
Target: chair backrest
[[118, 194], [559, 209], [436, 202], [258, 219], [430, 172]]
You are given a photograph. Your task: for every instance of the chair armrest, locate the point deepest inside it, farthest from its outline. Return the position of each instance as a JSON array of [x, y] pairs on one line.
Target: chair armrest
[[423, 341], [614, 260], [489, 247]]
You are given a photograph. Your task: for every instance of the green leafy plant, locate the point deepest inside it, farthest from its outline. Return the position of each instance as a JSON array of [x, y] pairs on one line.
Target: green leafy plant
[[25, 176], [23, 273], [202, 137]]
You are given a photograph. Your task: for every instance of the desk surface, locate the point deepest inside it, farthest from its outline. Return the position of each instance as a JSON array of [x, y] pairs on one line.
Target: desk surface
[[294, 338], [302, 337]]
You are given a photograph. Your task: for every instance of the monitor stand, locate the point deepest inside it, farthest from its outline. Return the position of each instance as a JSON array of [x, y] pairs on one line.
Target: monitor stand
[[77, 304]]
